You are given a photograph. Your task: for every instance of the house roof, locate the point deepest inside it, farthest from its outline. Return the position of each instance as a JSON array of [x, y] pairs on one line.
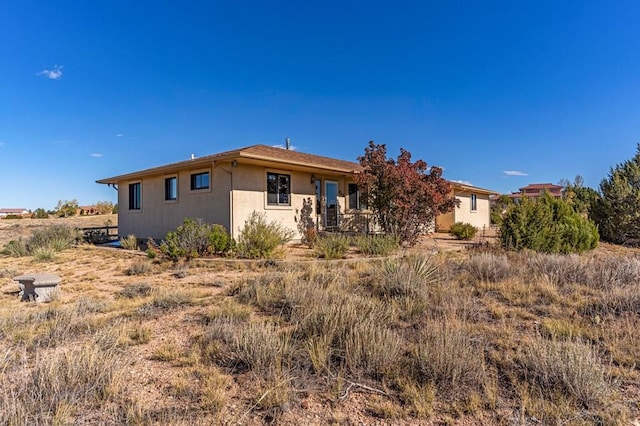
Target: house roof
[[254, 153], [457, 186], [13, 210], [540, 186]]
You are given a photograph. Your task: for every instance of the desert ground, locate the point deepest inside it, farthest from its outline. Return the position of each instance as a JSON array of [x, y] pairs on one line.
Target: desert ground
[[152, 331]]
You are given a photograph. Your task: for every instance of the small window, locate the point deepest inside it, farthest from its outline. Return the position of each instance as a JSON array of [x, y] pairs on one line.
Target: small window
[[200, 181], [278, 189], [135, 196], [171, 188], [474, 203]]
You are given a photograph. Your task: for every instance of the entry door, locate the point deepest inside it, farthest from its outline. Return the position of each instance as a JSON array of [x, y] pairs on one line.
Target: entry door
[[331, 204]]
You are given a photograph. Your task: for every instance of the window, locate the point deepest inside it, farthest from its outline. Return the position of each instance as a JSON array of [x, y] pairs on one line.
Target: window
[[474, 203], [355, 202], [278, 189], [171, 188], [135, 198], [200, 181]]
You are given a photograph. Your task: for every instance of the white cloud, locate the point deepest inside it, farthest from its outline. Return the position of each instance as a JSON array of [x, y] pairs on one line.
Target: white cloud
[[54, 74], [119, 135], [514, 173], [95, 155], [463, 182]]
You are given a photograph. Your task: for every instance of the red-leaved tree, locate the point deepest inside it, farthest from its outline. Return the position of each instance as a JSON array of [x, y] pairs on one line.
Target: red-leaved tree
[[405, 196]]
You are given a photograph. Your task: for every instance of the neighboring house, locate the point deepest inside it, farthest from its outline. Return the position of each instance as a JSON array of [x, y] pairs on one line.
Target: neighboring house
[[87, 211], [226, 188], [535, 190], [474, 208], [14, 211]]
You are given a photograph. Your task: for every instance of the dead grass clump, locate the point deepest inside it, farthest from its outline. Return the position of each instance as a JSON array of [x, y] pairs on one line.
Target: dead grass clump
[[232, 310], [489, 267], [448, 356], [614, 301], [60, 386], [167, 351], [568, 366], [43, 254], [206, 385], [133, 291], [49, 327], [90, 305], [171, 298], [262, 347], [130, 242], [372, 349], [612, 272], [560, 270], [140, 267], [623, 340]]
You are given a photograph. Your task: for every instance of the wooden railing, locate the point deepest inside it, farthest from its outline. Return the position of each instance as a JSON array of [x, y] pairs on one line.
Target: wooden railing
[[99, 234]]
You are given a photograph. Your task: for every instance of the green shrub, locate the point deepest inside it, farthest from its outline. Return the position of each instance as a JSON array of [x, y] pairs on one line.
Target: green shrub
[[39, 213], [259, 239], [332, 246], [129, 243], [13, 216], [376, 245], [58, 237], [43, 254], [463, 231], [547, 225], [16, 248], [43, 241], [194, 238]]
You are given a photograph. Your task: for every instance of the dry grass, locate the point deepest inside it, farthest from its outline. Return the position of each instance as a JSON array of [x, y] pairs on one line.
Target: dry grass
[[458, 338]]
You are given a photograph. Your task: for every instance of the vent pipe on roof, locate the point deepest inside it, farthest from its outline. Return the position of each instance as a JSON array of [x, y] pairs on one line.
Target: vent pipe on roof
[[287, 143]]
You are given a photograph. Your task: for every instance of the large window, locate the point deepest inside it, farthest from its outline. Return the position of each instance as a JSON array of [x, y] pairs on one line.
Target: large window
[[355, 200], [278, 189], [474, 203], [135, 196], [171, 188], [200, 181]]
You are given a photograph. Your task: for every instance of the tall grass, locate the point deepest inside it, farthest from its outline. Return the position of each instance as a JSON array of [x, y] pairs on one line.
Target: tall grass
[[62, 385]]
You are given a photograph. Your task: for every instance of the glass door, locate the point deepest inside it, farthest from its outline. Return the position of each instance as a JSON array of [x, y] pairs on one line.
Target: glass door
[[331, 204]]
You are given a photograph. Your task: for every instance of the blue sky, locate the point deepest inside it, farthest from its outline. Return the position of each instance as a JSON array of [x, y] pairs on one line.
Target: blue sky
[[499, 93]]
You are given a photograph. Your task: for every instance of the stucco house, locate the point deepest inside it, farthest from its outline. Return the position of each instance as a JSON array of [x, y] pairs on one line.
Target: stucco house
[[474, 208], [535, 190], [225, 188], [18, 211]]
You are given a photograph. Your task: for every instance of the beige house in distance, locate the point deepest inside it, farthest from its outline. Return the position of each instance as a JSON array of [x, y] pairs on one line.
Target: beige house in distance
[[226, 188], [474, 208]]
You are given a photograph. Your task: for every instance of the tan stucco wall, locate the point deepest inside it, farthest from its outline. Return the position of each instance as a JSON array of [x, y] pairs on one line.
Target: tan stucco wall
[[157, 216], [220, 204], [444, 221], [480, 217]]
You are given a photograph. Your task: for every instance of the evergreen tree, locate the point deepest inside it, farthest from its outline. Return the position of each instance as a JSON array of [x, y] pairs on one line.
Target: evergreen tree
[[548, 225], [617, 212]]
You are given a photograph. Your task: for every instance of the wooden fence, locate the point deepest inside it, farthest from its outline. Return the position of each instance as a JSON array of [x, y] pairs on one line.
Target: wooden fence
[[99, 234]]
